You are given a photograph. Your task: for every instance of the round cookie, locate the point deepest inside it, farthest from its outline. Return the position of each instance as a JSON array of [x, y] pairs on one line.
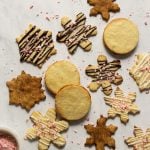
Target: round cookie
[[121, 36], [61, 73], [73, 102]]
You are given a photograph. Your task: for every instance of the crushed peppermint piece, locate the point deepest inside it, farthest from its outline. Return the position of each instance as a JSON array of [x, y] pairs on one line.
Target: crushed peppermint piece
[[7, 142]]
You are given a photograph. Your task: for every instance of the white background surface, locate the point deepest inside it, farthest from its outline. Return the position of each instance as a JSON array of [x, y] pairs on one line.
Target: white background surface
[[15, 16]]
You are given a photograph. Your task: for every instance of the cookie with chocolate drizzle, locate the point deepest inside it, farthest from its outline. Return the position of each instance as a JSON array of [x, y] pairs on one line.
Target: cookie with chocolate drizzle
[[104, 74], [35, 45], [76, 34]]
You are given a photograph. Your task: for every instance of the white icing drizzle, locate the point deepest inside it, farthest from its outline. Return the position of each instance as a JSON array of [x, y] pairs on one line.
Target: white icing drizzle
[[121, 105], [141, 141], [141, 71]]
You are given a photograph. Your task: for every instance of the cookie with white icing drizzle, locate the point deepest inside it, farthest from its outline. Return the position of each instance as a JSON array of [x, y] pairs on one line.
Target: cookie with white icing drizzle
[[35, 45], [47, 129], [140, 140], [76, 33], [104, 74], [140, 71], [121, 105]]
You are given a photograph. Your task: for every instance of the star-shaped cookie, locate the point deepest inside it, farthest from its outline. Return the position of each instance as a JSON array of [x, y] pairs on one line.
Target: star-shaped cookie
[[25, 90], [76, 33], [100, 135], [47, 129], [103, 7], [140, 71], [35, 45], [141, 140], [121, 105], [104, 74]]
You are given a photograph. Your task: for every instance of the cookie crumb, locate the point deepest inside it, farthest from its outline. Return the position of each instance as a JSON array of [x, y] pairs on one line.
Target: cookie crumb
[[31, 7]]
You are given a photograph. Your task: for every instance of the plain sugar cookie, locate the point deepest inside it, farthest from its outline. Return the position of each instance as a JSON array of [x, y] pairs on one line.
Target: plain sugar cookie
[[61, 73], [73, 102], [121, 36]]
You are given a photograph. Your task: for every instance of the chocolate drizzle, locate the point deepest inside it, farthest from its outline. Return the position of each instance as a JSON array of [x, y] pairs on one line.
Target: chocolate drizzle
[[76, 33], [105, 73], [35, 46]]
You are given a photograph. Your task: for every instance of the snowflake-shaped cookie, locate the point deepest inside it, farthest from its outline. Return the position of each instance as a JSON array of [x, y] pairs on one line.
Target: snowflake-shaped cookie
[[47, 129], [25, 90], [76, 34], [121, 105], [101, 134], [104, 74], [103, 7], [140, 71], [35, 45], [141, 140]]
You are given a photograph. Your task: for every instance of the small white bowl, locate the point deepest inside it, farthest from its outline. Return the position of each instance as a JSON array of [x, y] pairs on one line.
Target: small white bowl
[[9, 131]]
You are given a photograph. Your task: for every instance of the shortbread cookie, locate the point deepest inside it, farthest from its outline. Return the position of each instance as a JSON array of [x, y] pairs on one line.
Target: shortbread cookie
[[76, 33], [61, 73], [35, 45], [73, 102], [121, 105], [100, 135], [104, 74], [140, 71], [25, 90], [121, 36], [47, 129], [141, 140], [103, 7]]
